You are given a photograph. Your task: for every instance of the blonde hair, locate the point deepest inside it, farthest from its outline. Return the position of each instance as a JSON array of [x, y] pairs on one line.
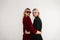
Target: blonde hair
[[37, 10], [25, 10]]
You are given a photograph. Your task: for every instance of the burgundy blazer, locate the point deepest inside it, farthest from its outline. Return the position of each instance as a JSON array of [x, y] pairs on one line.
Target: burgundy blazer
[[27, 25]]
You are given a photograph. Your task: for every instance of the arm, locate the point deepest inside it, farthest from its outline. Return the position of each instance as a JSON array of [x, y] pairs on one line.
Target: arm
[[27, 32], [32, 29], [38, 23]]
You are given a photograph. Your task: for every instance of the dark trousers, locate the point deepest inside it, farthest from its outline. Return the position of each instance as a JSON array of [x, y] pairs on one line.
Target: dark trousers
[[36, 37]]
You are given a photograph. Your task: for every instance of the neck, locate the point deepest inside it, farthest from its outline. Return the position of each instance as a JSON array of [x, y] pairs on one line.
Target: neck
[[26, 16], [37, 16]]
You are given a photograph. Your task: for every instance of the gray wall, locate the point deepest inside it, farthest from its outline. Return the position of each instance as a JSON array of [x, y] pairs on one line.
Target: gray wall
[[11, 14]]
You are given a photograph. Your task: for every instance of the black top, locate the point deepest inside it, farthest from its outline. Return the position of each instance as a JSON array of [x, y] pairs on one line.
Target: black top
[[37, 23]]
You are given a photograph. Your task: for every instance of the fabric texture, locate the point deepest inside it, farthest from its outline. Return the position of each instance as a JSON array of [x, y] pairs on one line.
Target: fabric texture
[[37, 25], [27, 25]]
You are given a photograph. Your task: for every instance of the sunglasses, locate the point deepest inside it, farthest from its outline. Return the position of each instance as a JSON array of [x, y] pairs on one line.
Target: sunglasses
[[28, 11]]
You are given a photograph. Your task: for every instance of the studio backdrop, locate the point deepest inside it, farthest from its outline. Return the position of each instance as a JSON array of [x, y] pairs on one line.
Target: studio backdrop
[[11, 15]]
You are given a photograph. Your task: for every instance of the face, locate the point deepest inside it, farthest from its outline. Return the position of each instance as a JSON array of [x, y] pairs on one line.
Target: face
[[35, 13], [27, 12]]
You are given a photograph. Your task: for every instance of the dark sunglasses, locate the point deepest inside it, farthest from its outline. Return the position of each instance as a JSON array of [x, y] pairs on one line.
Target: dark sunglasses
[[28, 11]]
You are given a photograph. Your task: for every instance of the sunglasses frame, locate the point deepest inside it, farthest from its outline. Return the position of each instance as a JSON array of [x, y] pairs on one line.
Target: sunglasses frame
[[28, 11]]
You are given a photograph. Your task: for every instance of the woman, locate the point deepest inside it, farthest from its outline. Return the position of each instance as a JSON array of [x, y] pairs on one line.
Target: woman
[[37, 25], [27, 26]]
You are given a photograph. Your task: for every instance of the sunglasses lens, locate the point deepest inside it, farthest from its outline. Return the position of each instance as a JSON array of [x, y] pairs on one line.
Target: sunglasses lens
[[28, 11]]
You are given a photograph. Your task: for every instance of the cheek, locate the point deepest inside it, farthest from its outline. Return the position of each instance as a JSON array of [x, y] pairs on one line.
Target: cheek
[[37, 14], [26, 14], [34, 14]]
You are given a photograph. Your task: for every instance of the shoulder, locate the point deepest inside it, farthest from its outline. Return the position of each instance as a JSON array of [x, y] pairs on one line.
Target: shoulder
[[37, 18]]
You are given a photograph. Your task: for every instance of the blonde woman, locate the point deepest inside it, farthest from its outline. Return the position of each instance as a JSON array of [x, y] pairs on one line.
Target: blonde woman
[[37, 23], [28, 26]]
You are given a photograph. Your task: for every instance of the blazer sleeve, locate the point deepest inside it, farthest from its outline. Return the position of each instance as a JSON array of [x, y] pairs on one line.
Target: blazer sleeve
[[38, 23], [30, 25]]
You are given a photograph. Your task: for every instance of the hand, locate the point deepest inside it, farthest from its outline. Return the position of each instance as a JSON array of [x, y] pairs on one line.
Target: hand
[[38, 32], [26, 32]]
